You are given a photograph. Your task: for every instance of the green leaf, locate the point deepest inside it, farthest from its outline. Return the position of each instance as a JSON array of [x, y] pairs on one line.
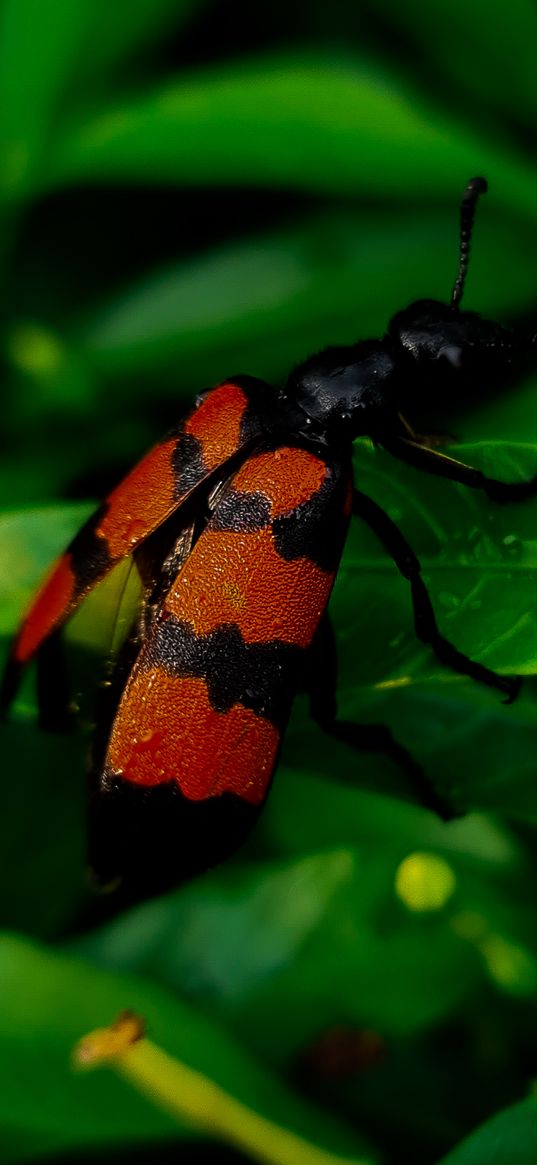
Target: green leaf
[[510, 1136], [30, 540], [326, 126], [223, 934], [49, 1002], [39, 41]]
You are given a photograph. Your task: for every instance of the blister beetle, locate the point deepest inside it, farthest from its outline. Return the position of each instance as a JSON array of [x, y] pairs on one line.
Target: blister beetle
[[237, 523]]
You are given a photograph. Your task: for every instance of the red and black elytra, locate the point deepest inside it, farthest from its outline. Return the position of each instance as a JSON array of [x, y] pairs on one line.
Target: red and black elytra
[[220, 427], [237, 523]]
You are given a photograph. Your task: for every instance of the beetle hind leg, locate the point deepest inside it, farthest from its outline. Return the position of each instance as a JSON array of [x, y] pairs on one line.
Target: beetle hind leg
[[364, 737], [53, 699], [425, 624], [54, 702], [9, 686], [378, 738]]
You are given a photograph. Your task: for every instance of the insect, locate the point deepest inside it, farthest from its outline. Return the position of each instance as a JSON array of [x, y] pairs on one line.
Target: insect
[[237, 523]]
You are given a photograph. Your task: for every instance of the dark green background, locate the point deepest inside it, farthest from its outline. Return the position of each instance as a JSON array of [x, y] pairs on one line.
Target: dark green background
[[189, 190]]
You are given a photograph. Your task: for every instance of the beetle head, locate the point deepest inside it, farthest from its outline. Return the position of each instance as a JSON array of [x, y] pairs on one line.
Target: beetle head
[[448, 347]]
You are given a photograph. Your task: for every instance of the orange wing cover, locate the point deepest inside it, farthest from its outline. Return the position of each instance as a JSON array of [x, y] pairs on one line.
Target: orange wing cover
[[224, 421], [212, 687]]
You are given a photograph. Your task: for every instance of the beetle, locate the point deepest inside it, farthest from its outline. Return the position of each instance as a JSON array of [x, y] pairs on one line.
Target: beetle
[[236, 523]]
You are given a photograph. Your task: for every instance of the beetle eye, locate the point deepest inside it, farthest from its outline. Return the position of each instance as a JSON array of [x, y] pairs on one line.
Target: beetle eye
[[452, 354]]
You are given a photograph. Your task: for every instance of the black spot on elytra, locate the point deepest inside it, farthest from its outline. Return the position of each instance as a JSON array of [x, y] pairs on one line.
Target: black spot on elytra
[[151, 839], [187, 464], [239, 511], [261, 676], [260, 411], [90, 558], [187, 457], [317, 529]]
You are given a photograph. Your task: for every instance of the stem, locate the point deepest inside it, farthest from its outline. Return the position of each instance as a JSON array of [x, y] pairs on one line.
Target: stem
[[191, 1097]]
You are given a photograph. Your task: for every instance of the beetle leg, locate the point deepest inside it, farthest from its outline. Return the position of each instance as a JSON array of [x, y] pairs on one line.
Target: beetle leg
[[365, 737], [53, 697], [427, 631], [9, 686], [430, 440], [422, 457]]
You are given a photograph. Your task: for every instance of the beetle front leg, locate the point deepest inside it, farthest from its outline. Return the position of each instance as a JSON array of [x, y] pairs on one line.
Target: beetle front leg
[[322, 687], [422, 457], [427, 631]]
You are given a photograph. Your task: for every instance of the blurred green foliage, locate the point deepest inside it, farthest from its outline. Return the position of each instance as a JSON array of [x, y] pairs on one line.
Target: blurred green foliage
[[189, 190]]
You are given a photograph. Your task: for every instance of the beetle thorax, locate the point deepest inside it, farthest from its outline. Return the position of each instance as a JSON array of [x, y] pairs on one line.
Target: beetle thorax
[[343, 392]]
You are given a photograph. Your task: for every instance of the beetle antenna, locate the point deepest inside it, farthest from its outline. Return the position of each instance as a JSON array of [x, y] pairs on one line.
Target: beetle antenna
[[475, 187]]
